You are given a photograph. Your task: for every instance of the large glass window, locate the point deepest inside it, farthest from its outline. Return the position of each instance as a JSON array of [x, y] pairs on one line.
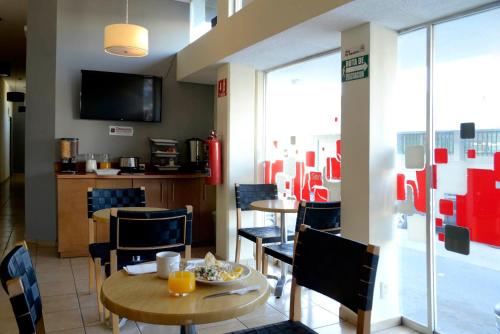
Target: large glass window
[[467, 190], [302, 129], [411, 185], [465, 167]]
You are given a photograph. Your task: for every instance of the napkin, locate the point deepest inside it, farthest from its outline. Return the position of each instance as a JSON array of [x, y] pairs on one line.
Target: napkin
[[143, 268]]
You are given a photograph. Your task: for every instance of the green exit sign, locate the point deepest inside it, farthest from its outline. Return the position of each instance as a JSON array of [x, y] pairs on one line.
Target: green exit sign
[[355, 68]]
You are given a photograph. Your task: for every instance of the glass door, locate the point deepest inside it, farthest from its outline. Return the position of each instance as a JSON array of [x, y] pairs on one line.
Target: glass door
[[466, 165]]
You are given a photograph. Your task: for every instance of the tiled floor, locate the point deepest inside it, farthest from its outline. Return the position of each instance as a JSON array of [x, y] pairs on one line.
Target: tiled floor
[[70, 309]]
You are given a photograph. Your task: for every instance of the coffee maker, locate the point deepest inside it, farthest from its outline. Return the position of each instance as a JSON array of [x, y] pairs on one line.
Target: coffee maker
[[69, 151], [197, 157]]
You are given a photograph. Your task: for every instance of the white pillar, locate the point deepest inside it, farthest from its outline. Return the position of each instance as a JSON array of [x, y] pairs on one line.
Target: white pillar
[[368, 150], [235, 124]]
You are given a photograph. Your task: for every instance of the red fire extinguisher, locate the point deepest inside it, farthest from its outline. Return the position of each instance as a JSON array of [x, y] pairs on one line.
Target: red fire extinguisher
[[214, 160]]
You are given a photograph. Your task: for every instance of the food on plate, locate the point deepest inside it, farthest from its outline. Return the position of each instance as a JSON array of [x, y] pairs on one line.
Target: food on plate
[[215, 270]]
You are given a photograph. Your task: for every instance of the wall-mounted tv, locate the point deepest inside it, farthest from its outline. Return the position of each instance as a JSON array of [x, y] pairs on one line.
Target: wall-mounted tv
[[120, 96]]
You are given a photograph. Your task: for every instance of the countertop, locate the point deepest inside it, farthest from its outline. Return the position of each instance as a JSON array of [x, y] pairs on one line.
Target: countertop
[[147, 175]]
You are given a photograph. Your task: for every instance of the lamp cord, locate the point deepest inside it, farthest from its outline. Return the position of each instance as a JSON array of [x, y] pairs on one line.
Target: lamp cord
[[126, 12]]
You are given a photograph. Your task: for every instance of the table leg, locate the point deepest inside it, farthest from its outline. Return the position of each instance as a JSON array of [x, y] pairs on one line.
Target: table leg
[[280, 284], [189, 329]]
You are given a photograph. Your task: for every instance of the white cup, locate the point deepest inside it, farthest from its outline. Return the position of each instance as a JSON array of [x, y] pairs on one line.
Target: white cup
[[167, 262]]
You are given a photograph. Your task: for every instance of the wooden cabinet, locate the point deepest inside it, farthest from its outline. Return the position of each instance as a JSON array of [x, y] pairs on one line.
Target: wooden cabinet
[[173, 191], [154, 196], [72, 227]]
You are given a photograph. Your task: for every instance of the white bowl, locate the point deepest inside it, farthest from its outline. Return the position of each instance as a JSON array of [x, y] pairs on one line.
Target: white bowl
[[108, 171]]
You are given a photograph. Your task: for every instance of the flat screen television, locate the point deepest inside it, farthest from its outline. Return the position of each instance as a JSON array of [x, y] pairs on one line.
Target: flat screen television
[[120, 96]]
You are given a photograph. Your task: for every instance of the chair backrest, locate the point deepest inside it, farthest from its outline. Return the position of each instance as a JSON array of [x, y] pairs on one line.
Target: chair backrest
[[98, 199], [145, 233], [19, 281], [337, 267], [248, 193], [324, 216]]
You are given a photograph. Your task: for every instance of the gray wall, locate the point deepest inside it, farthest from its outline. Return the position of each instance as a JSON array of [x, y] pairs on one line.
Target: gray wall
[[54, 84], [187, 108], [40, 197], [18, 133]]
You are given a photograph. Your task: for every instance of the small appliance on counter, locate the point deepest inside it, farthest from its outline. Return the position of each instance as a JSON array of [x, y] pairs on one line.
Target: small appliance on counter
[[69, 151], [197, 157], [129, 164], [164, 154]]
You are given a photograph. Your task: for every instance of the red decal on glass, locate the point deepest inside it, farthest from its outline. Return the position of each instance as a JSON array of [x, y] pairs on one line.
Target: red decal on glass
[[496, 165], [310, 158], [439, 222], [434, 177], [471, 154], [446, 207], [320, 194], [479, 208], [267, 172], [441, 236], [400, 187], [441, 155], [276, 168]]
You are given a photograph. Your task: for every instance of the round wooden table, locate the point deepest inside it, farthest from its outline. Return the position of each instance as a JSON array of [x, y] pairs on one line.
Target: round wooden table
[[145, 298], [102, 216], [281, 206]]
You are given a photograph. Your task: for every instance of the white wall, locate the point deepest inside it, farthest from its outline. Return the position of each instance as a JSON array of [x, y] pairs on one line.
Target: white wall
[[5, 111], [187, 108], [368, 152], [236, 129], [259, 20]]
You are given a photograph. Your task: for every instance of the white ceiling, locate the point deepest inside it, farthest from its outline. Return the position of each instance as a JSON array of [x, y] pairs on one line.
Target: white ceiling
[[322, 33]]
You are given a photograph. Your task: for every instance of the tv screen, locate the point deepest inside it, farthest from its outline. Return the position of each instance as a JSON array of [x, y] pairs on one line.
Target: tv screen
[[120, 96]]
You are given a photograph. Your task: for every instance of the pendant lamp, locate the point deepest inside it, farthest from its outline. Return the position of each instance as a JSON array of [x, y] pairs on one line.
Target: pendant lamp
[[126, 40], [15, 95]]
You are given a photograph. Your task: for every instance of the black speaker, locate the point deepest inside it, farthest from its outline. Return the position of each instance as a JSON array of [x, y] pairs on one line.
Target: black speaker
[[15, 96]]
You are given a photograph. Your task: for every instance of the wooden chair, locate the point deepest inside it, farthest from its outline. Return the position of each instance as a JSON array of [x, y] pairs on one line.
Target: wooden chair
[[336, 267], [19, 281], [323, 216], [140, 233], [246, 194], [98, 199]]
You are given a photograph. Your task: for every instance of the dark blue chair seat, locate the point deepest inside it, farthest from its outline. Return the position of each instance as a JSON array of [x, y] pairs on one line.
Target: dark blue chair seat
[[285, 327], [268, 234], [282, 252], [100, 250]]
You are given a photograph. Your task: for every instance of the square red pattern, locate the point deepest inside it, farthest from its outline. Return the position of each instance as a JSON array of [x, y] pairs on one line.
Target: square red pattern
[[446, 207], [441, 155], [471, 154]]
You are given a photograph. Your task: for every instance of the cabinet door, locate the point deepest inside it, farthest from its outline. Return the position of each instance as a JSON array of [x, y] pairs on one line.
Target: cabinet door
[[184, 192], [154, 194], [102, 230], [72, 220], [207, 206]]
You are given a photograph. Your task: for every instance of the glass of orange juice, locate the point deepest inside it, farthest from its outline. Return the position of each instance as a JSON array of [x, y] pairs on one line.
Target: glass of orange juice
[[181, 283]]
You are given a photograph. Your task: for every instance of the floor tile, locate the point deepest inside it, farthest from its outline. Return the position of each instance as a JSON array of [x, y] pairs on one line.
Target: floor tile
[[69, 331], [340, 328], [60, 303], [57, 288], [226, 328], [263, 316], [397, 330], [87, 300], [90, 315], [63, 320], [315, 317], [129, 328], [155, 329]]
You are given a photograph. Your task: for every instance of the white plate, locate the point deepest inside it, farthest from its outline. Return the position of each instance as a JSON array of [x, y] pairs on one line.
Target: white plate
[[246, 272]]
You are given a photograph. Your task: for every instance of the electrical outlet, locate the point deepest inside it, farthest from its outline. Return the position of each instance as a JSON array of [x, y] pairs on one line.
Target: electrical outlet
[[383, 290]]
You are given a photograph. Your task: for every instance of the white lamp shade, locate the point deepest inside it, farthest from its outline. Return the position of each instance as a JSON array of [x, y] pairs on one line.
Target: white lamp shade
[[127, 40]]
